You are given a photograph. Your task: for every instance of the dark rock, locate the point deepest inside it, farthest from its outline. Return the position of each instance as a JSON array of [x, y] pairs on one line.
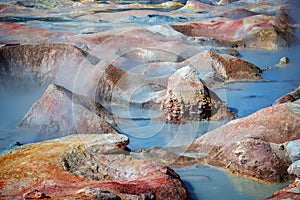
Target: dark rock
[[61, 111]]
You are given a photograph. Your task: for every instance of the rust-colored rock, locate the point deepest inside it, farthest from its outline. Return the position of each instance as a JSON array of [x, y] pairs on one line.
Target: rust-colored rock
[[50, 167]]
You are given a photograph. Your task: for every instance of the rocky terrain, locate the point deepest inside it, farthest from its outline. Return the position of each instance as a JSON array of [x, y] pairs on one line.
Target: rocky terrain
[[171, 58]]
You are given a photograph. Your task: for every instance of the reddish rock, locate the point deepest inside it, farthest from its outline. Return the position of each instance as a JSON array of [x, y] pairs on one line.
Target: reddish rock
[[61, 111], [189, 99], [259, 31], [35, 194], [63, 168], [254, 146], [292, 191], [290, 97]]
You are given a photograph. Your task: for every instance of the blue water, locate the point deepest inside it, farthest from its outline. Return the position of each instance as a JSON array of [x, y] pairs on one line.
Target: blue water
[[143, 128]]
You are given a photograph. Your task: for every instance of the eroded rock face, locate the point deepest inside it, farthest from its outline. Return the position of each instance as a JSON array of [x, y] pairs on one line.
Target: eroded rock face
[[61, 111], [258, 31], [47, 167], [254, 146], [189, 99]]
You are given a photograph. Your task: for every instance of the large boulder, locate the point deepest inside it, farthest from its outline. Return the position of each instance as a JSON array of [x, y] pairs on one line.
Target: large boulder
[[85, 167], [61, 111], [188, 98], [258, 31], [254, 146]]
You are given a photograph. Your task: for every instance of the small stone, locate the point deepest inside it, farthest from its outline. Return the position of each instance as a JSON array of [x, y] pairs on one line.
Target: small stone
[[283, 62], [35, 194]]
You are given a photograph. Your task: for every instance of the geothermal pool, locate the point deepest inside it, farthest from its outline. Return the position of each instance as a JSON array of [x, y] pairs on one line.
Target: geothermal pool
[[203, 182]]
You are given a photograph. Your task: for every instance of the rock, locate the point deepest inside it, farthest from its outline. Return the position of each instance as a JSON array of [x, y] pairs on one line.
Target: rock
[[86, 164], [292, 191], [195, 6], [290, 97], [45, 61], [260, 137], [173, 156], [293, 149], [213, 68], [35, 194], [117, 86], [253, 158], [14, 33], [294, 168], [258, 31], [217, 69], [237, 13], [283, 62], [63, 112], [189, 99], [224, 2], [97, 193], [81, 72]]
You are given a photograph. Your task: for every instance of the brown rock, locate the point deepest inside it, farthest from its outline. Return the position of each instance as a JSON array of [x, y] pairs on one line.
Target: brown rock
[[258, 137], [50, 167], [189, 99], [61, 111], [217, 69], [290, 97]]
